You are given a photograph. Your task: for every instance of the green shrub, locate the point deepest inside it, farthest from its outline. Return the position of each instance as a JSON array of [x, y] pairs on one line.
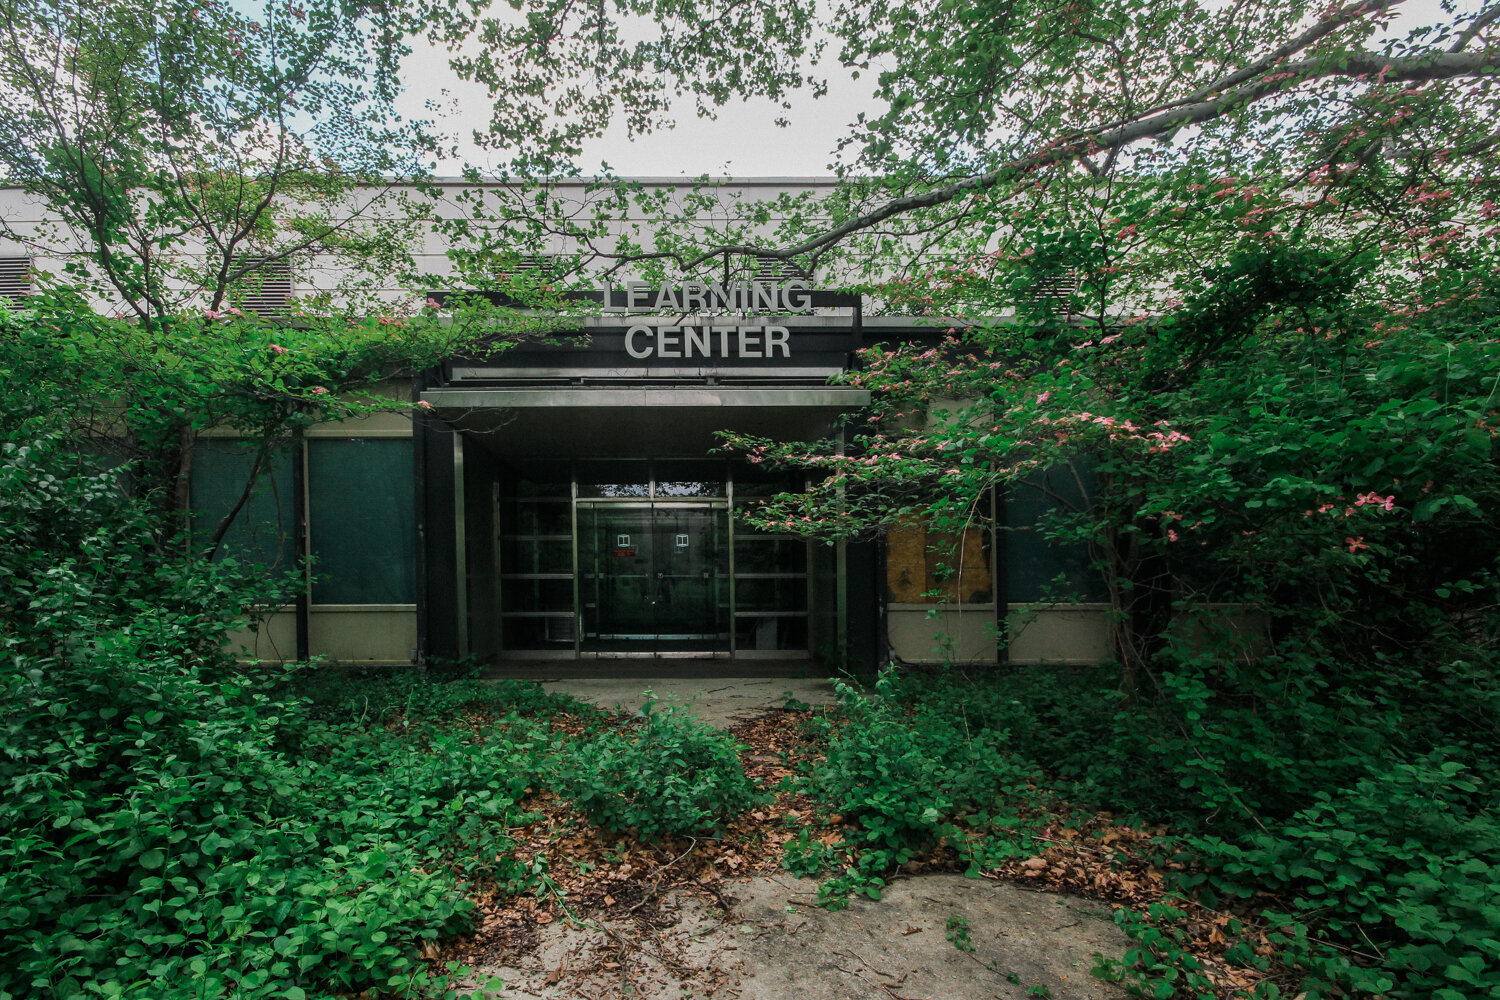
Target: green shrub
[[671, 775], [909, 774], [181, 826], [1325, 788], [1409, 859], [379, 695]]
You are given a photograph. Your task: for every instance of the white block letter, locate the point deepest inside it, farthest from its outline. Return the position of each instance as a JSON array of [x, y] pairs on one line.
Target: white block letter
[[631, 349], [777, 336], [749, 344]]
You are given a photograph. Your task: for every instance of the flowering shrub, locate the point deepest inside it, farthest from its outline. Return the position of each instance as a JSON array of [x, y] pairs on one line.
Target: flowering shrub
[[1272, 443]]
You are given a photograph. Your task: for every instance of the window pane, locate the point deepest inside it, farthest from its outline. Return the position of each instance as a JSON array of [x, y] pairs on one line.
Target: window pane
[[751, 481], [785, 632], [682, 478], [537, 595], [605, 478], [263, 531], [753, 554], [771, 594], [361, 523], [540, 518], [530, 555], [1038, 569], [542, 479]]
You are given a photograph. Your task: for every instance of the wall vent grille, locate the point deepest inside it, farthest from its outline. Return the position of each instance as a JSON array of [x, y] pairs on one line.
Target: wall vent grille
[[15, 279], [266, 289], [776, 269], [1058, 288]]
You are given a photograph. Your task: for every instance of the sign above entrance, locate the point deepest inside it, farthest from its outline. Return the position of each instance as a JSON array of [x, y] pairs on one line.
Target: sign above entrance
[[724, 339], [691, 329], [791, 296]]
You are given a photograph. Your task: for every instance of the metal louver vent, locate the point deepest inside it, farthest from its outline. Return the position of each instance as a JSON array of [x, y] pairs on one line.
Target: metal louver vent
[[1058, 288], [528, 265], [776, 269], [15, 279], [266, 289]]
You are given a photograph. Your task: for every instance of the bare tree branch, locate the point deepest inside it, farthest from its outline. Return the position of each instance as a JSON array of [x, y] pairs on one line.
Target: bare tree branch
[[1484, 19], [1153, 124]]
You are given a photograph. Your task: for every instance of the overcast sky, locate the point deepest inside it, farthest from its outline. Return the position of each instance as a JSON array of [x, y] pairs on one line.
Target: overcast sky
[[743, 141]]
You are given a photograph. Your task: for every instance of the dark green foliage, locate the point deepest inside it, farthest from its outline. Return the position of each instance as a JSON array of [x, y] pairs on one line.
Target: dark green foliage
[[181, 826], [906, 774], [1359, 796], [383, 695], [671, 775]]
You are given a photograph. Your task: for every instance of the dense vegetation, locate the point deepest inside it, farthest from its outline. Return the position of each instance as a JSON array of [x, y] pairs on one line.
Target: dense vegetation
[[1292, 521], [181, 825], [1366, 870]]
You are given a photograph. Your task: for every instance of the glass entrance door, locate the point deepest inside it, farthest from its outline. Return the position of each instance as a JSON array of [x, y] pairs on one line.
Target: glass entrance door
[[654, 576]]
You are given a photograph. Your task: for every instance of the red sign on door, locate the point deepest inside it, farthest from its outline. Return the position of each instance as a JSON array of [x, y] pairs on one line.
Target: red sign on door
[[624, 553]]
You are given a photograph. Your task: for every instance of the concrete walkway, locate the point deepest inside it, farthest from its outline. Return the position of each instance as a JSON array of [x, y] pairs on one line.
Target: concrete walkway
[[706, 687]]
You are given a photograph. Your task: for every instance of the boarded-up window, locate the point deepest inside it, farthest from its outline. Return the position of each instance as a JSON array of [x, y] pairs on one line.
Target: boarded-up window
[[937, 567], [15, 279]]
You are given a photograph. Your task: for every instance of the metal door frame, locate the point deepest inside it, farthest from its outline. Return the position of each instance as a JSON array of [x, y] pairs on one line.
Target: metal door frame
[[707, 504]]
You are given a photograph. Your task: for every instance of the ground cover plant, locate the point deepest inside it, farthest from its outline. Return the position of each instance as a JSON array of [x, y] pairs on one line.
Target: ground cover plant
[[670, 775], [183, 825], [1379, 884]]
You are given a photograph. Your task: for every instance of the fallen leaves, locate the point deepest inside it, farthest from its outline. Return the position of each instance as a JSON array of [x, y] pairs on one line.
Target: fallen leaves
[[588, 871]]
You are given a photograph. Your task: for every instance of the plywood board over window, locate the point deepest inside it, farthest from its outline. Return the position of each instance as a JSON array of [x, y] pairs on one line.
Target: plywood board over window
[[938, 567]]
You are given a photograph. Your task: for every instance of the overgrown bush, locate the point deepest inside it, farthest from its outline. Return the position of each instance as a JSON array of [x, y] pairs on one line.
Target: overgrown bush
[[671, 775], [1369, 847], [906, 775], [180, 826]]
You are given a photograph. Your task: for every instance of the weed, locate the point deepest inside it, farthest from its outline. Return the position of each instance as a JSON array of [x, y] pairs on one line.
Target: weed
[[671, 775], [958, 933]]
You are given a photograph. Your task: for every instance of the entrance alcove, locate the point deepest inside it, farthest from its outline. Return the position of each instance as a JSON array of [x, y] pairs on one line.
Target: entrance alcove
[[595, 523]]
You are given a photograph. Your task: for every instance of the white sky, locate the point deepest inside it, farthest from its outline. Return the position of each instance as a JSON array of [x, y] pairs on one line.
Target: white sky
[[743, 141]]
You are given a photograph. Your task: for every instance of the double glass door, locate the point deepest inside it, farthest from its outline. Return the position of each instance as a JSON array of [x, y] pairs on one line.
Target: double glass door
[[654, 576]]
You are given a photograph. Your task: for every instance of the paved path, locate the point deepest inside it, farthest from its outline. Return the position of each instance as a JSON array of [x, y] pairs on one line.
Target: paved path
[[720, 693], [719, 701]]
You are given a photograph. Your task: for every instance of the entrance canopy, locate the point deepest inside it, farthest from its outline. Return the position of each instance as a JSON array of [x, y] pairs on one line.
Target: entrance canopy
[[576, 421]]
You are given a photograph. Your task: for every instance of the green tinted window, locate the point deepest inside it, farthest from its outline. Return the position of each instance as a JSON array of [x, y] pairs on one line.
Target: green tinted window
[[361, 523], [1038, 569], [263, 530]]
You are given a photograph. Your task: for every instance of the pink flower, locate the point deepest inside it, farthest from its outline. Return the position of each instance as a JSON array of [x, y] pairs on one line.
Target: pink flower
[[318, 390], [1355, 544], [207, 314], [277, 349], [1171, 535], [424, 404]]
